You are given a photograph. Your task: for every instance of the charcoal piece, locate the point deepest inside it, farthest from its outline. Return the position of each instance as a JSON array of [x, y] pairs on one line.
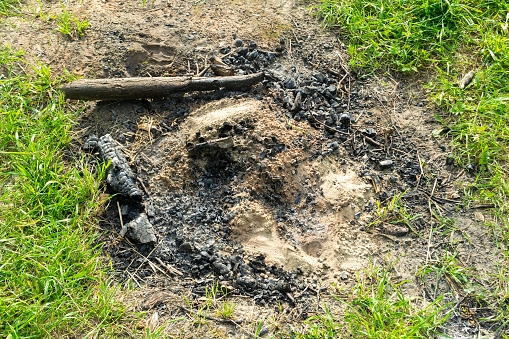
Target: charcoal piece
[[242, 51], [139, 231], [345, 119], [120, 177], [91, 144], [319, 77], [369, 132], [252, 55], [289, 83], [385, 163], [297, 103]]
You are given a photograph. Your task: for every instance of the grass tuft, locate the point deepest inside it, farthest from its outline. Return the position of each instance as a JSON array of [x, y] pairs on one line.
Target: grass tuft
[[380, 310], [50, 284]]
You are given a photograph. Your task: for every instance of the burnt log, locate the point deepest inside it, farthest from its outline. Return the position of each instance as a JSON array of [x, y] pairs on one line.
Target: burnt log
[[120, 177], [140, 88]]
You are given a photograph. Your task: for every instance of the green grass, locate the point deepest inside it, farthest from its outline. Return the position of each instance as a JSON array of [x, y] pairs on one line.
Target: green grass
[[50, 282], [71, 25], [9, 7], [378, 309], [446, 38]]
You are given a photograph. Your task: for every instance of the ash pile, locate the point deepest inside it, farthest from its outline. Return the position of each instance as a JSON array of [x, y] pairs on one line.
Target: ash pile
[[187, 232]]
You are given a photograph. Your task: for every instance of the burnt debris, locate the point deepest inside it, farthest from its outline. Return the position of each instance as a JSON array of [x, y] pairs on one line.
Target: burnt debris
[[120, 177]]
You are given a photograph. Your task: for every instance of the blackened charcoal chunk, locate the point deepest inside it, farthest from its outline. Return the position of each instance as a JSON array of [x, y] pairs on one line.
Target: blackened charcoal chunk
[[239, 129], [319, 77], [369, 132], [120, 177], [253, 45], [290, 83], [225, 50], [186, 247], [309, 90], [239, 42], [252, 55], [246, 281], [91, 144], [139, 231], [221, 268], [242, 51], [278, 285], [226, 127], [450, 160], [345, 119]]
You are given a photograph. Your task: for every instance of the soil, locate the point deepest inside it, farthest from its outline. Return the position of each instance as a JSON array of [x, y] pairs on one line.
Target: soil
[[280, 204]]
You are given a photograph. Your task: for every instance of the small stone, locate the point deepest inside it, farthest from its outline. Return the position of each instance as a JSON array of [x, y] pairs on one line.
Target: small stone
[[395, 230], [239, 42], [186, 247], [332, 89], [282, 41], [253, 45], [357, 215], [343, 275], [345, 119], [385, 163], [450, 160], [139, 231], [263, 331]]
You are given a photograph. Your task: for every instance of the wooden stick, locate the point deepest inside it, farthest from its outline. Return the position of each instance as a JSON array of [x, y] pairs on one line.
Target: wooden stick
[[138, 88], [169, 267]]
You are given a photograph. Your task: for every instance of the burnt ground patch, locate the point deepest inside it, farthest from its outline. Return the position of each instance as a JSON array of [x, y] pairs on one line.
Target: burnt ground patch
[[277, 191]]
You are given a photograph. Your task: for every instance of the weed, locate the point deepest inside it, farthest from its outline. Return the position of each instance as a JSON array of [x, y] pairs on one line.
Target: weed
[[395, 213], [71, 25], [323, 326], [226, 308], [448, 269], [380, 310]]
